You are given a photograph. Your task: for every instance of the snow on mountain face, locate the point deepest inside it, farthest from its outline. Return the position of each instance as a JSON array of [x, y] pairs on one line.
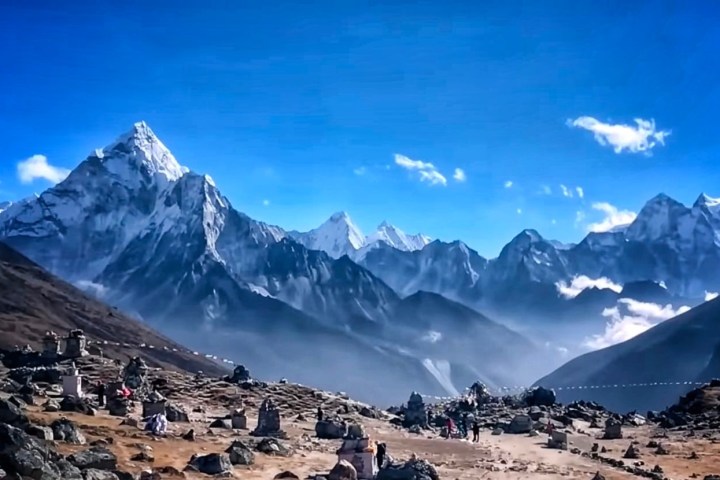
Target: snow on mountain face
[[339, 236], [396, 238]]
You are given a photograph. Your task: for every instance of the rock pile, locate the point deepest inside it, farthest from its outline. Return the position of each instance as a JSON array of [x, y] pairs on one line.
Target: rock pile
[[699, 409]]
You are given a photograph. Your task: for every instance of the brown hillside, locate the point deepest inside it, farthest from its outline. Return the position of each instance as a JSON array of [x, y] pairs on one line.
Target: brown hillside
[[32, 301]]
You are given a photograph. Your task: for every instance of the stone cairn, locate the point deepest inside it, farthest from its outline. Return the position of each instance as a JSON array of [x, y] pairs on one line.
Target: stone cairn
[[135, 374], [51, 345], [117, 405], [613, 429], [415, 413], [360, 453], [153, 404], [75, 344], [268, 421], [238, 418], [240, 375]]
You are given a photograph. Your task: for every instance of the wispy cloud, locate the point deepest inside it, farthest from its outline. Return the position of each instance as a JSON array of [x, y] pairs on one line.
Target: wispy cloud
[[566, 192], [37, 167], [582, 282], [359, 171], [519, 211], [579, 218], [580, 192], [459, 175], [613, 217], [635, 139], [508, 184], [266, 203], [427, 172], [545, 190], [630, 318]]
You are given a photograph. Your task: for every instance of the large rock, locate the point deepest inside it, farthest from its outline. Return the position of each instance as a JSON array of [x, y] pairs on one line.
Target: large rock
[[211, 464], [240, 454], [99, 458], [343, 470], [65, 430], [521, 424], [93, 474], [331, 429], [539, 397], [22, 456], [176, 414], [11, 414], [271, 446], [412, 470]]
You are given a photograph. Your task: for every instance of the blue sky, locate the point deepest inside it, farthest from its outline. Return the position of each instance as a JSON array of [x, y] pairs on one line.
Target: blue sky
[[305, 104]]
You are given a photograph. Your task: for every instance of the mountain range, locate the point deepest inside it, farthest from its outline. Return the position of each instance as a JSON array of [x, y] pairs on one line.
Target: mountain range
[[160, 241], [140, 231]]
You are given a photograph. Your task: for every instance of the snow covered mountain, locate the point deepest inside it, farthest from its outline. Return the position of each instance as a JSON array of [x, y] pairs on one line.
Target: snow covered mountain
[[339, 236], [162, 241]]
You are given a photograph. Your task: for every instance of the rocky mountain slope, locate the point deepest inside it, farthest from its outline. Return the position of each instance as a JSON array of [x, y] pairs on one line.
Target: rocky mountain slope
[[682, 349], [32, 301], [162, 241]]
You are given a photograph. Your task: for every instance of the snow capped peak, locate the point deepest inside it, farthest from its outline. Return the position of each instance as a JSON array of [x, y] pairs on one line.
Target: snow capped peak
[[140, 149], [340, 217], [707, 201], [398, 239], [338, 236], [657, 219]]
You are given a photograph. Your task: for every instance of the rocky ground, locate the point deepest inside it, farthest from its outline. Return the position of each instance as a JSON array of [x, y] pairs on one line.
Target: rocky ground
[[95, 445]]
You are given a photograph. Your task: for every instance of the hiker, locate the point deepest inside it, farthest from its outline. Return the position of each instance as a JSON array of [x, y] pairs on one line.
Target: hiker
[[320, 414], [380, 454], [429, 417], [450, 427], [476, 431], [101, 394], [549, 428]]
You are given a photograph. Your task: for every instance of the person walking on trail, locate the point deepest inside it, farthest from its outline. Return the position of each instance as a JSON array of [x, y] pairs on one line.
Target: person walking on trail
[[380, 454], [476, 432], [320, 414], [450, 427], [101, 394]]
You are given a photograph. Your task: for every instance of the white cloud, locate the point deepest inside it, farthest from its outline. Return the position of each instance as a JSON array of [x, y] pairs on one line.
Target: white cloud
[[545, 190], [508, 184], [459, 175], [566, 191], [553, 221], [266, 203], [710, 296], [37, 167], [582, 282], [641, 138], [432, 336], [360, 171], [580, 192], [636, 319], [579, 217], [97, 290], [519, 211], [427, 171], [613, 217]]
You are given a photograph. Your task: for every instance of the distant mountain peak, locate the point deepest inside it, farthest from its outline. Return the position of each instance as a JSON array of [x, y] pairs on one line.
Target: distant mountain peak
[[140, 149], [707, 201], [340, 216]]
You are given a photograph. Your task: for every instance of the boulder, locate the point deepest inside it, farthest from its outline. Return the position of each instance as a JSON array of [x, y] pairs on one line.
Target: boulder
[[539, 396], [632, 453], [94, 474], [521, 424], [271, 446], [24, 456], [211, 464], [331, 429], [11, 414], [355, 431], [175, 414], [65, 430], [43, 433], [284, 475], [343, 470], [240, 454], [99, 458], [412, 470]]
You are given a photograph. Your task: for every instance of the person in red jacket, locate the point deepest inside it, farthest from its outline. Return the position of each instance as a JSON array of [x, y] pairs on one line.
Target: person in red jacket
[[450, 427]]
